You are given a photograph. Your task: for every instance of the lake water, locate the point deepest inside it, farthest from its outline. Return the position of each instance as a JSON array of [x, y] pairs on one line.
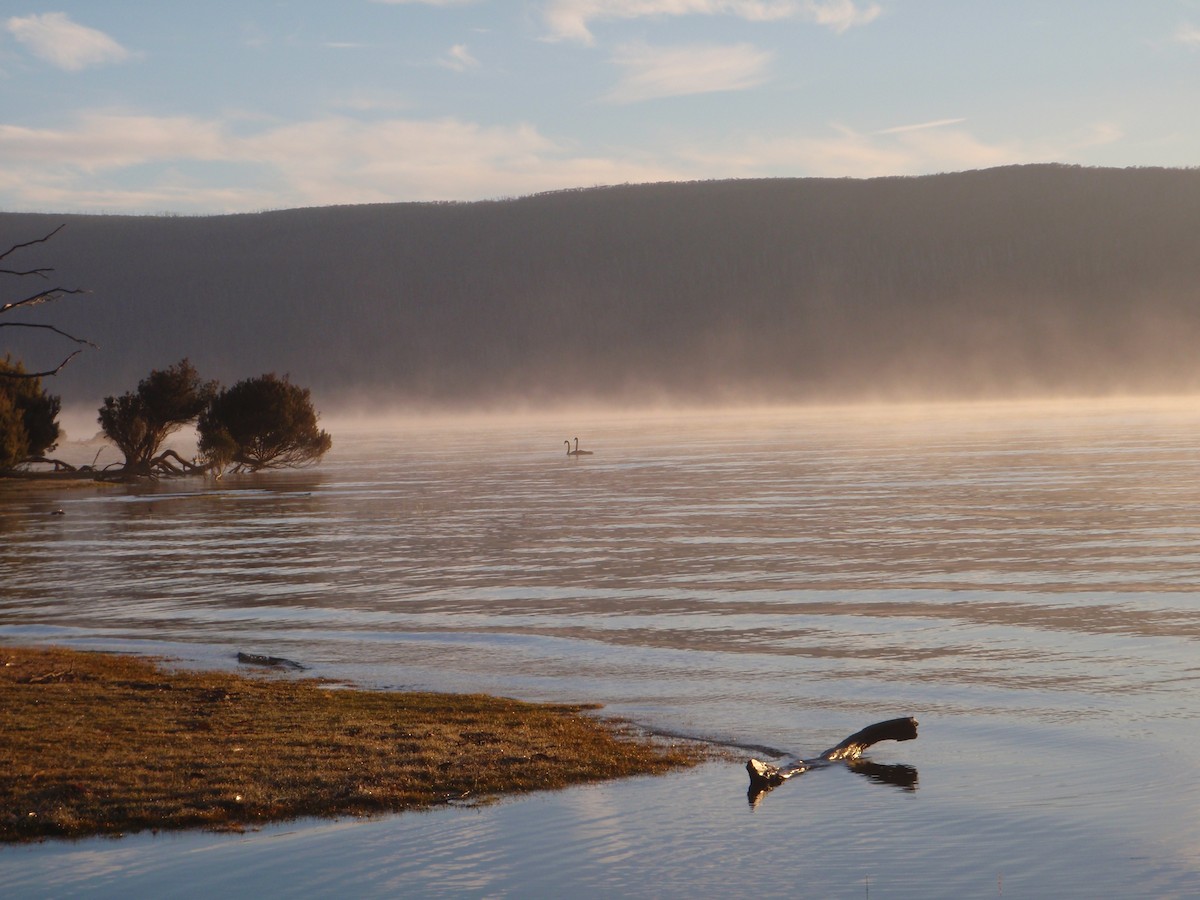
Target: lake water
[[1024, 580]]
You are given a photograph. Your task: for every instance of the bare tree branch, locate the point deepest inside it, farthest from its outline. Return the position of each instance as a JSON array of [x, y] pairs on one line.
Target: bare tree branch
[[46, 296], [59, 465], [53, 328], [46, 374], [41, 240], [41, 273]]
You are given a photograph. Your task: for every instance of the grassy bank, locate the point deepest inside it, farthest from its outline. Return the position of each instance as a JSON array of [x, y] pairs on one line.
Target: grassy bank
[[97, 743]]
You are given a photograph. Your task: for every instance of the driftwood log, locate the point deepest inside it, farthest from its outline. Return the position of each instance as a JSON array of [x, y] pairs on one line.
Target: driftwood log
[[258, 659], [764, 776]]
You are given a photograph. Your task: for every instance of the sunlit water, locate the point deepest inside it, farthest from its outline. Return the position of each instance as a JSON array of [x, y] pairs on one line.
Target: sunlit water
[[1025, 581]]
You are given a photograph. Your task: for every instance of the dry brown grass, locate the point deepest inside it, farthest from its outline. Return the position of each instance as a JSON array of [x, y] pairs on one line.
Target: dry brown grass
[[96, 743]]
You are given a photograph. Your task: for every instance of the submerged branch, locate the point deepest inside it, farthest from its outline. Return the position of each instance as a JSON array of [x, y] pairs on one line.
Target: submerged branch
[[764, 776], [59, 465]]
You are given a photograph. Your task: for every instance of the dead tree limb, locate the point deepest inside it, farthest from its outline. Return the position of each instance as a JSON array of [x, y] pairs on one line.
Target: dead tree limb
[[764, 776], [43, 272], [61, 365], [166, 464], [904, 729], [258, 659], [53, 328], [59, 465], [48, 295], [46, 374], [41, 240], [171, 463], [181, 466]]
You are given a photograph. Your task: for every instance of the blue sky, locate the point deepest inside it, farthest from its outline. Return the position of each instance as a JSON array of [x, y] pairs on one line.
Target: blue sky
[[148, 106]]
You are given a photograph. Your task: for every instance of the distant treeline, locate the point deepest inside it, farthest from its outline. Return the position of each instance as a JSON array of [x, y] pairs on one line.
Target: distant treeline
[[1020, 280]]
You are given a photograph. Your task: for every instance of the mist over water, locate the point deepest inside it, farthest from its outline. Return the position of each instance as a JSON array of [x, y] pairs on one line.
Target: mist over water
[[1021, 578], [1018, 280]]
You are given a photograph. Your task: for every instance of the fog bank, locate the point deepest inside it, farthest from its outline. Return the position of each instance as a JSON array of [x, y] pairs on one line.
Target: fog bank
[[1018, 281]]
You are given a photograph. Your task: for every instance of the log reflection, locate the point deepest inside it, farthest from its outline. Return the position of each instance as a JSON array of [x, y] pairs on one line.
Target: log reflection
[[898, 775]]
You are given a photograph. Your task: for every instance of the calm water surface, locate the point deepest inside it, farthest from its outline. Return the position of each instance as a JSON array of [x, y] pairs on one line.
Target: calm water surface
[[1023, 580]]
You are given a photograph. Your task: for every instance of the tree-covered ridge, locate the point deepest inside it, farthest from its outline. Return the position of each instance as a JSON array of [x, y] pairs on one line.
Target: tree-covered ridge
[[1022, 280]]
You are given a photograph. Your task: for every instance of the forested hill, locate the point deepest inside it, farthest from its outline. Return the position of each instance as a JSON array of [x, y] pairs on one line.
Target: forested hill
[[1021, 280]]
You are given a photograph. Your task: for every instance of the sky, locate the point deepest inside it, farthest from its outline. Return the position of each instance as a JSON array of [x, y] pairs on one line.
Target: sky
[[145, 106]]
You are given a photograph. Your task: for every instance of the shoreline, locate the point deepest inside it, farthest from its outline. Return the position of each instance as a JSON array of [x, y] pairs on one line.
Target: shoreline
[[99, 743]]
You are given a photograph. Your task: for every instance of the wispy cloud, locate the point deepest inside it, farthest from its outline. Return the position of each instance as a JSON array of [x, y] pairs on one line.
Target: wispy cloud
[[841, 15], [674, 71], [83, 165], [572, 19], [921, 126], [105, 141], [939, 146], [1187, 33], [1098, 134], [371, 100], [335, 160], [459, 59], [64, 43]]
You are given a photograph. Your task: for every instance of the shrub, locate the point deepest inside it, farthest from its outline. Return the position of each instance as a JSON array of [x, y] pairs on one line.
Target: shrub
[[164, 402], [261, 423], [28, 416]]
